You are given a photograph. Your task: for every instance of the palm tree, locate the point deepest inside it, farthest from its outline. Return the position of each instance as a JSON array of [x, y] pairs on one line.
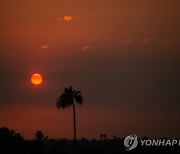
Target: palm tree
[[68, 98]]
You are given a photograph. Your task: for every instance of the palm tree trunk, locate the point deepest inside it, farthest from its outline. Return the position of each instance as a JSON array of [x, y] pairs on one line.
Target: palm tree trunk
[[74, 115]]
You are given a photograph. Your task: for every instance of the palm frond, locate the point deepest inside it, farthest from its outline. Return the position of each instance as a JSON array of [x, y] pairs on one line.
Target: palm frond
[[78, 97], [64, 101], [68, 90]]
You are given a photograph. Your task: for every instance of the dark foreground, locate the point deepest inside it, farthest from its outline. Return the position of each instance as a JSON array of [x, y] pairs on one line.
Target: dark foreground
[[14, 143]]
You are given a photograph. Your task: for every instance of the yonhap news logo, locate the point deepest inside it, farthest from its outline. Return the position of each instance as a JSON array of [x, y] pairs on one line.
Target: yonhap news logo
[[131, 142]]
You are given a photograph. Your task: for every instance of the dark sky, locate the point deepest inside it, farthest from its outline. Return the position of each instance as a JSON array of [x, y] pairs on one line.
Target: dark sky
[[123, 55]]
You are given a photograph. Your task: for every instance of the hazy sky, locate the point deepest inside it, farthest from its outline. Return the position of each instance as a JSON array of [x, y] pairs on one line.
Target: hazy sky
[[124, 55]]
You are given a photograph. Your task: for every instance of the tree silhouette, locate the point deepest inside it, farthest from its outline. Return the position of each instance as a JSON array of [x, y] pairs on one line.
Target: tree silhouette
[[68, 98], [101, 136], [114, 137], [104, 135], [39, 136]]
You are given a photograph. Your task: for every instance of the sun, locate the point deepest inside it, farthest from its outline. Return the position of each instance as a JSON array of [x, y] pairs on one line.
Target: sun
[[36, 79]]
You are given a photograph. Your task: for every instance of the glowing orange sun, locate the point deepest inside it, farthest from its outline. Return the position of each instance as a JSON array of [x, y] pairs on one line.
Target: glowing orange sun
[[36, 79]]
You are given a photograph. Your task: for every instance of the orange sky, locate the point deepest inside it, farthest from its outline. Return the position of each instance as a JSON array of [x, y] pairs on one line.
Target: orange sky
[[122, 54]]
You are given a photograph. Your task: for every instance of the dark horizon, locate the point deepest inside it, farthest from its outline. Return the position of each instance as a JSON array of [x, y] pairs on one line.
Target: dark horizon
[[12, 142]]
